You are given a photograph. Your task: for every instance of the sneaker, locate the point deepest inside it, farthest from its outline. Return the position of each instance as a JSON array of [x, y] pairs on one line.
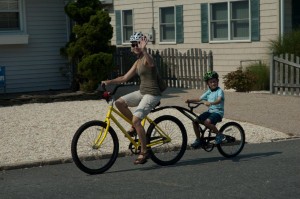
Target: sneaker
[[197, 144], [219, 139]]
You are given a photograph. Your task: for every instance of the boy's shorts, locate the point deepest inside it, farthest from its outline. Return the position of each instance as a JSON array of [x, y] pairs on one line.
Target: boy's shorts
[[213, 117], [144, 103]]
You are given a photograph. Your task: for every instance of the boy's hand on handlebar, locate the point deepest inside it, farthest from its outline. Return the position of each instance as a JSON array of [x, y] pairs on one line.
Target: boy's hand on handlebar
[[192, 101], [206, 103]]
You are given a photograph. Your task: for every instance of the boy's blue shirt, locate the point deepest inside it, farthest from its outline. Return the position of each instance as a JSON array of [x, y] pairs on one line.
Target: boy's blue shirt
[[212, 96]]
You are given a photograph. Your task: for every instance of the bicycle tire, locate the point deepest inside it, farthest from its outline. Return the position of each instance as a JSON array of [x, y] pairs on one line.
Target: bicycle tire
[[89, 159], [235, 140], [171, 152]]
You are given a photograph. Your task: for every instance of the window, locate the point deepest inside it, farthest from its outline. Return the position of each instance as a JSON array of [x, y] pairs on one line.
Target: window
[[127, 25], [230, 21], [12, 28], [167, 24], [10, 15], [124, 26], [171, 24], [219, 21]]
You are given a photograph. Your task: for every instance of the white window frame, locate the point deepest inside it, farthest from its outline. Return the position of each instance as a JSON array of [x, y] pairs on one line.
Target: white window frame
[[174, 22], [122, 26], [16, 36], [229, 14]]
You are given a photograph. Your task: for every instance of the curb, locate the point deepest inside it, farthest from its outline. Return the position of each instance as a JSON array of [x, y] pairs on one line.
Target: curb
[[27, 165]]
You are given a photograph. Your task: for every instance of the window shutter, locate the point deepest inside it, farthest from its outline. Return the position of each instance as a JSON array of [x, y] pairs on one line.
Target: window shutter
[[118, 27], [204, 22], [255, 20], [179, 24]]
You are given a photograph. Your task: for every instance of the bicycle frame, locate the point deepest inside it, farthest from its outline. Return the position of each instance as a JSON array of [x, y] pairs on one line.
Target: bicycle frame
[[188, 113], [110, 116]]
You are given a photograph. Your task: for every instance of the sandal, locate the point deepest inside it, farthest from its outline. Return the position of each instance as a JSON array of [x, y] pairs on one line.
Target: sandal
[[132, 132], [142, 160]]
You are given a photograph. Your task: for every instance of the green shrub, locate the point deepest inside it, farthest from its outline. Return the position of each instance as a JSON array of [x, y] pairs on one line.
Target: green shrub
[[262, 73], [288, 43], [239, 80], [93, 69]]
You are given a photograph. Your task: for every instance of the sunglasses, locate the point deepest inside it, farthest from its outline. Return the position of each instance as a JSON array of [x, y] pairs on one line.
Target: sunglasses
[[134, 45]]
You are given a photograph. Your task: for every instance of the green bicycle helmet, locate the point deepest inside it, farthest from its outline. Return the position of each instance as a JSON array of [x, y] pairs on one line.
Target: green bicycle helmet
[[210, 75]]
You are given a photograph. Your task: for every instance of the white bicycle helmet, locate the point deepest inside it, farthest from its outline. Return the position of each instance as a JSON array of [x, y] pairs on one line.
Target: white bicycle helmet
[[136, 36]]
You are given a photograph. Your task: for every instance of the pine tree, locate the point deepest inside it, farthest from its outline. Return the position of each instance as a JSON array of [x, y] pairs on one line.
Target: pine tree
[[88, 50]]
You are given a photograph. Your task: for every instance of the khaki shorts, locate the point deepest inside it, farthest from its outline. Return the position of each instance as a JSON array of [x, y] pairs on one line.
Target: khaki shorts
[[144, 103]]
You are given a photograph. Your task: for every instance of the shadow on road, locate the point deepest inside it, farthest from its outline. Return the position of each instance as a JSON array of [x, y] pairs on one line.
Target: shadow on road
[[199, 161]]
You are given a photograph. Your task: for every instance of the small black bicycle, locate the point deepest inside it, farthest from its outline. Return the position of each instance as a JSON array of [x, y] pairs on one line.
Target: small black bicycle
[[234, 133]]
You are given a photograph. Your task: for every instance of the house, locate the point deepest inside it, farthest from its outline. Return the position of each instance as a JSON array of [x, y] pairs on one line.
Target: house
[[237, 31], [31, 35]]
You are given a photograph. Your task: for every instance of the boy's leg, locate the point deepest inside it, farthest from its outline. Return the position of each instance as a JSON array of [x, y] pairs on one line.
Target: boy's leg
[[196, 129], [211, 122], [198, 142], [211, 126]]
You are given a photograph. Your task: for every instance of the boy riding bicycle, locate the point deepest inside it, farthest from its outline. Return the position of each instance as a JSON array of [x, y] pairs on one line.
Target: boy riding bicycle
[[214, 99]]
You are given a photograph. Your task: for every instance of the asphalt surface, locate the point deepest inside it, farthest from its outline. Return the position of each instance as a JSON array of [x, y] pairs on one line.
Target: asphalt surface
[[268, 170]]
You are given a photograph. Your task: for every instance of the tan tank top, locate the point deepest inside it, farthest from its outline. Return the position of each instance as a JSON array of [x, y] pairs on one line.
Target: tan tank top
[[148, 78]]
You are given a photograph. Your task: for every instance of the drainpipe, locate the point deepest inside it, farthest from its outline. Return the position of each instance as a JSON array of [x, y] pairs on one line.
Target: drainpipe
[[282, 17], [152, 31]]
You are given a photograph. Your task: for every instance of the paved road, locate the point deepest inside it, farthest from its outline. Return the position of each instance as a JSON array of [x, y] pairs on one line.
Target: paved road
[[269, 170]]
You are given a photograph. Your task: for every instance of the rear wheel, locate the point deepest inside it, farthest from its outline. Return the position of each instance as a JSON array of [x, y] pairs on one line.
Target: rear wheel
[[167, 152], [235, 140], [86, 155]]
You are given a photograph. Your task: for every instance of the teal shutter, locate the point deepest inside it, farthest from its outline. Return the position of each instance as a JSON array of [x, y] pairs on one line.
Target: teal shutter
[[255, 20], [179, 24], [204, 22], [118, 27]]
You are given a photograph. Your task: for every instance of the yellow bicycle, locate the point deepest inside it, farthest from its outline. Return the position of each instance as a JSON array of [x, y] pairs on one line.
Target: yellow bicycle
[[95, 145]]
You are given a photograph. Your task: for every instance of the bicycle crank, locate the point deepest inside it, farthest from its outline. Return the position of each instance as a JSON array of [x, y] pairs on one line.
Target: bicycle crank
[[133, 149]]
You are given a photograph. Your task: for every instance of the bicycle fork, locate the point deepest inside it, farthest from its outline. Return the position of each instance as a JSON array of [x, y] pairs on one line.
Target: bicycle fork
[[103, 131]]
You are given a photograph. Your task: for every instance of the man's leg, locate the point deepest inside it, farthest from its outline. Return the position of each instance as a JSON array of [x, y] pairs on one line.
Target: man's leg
[[123, 108], [141, 133]]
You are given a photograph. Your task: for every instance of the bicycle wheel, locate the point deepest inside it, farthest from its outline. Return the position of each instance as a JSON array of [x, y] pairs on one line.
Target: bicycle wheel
[[235, 140], [167, 153], [86, 155]]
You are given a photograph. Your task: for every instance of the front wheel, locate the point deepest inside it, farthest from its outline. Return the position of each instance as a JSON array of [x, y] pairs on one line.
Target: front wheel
[[235, 140], [88, 154], [168, 140]]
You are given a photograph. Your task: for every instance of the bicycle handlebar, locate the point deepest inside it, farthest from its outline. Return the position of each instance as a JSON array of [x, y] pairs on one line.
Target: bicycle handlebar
[[193, 105]]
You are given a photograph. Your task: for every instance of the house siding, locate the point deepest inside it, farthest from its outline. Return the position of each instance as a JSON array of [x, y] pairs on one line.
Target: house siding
[[227, 56], [36, 66]]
